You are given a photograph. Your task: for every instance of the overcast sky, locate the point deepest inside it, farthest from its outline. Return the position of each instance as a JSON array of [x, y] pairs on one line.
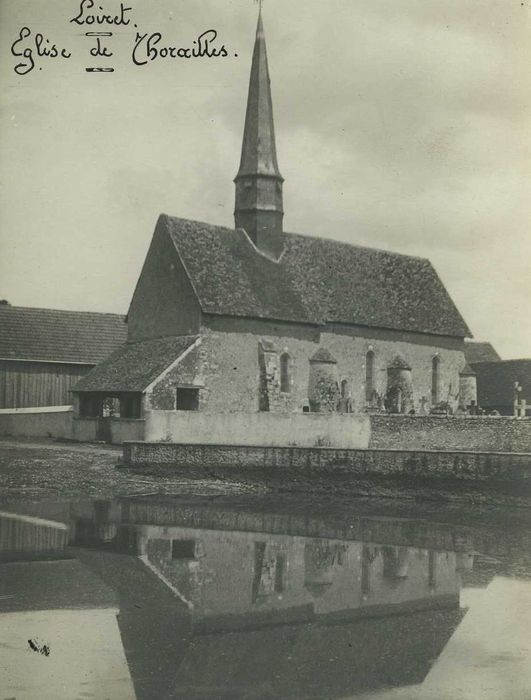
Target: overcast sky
[[401, 124]]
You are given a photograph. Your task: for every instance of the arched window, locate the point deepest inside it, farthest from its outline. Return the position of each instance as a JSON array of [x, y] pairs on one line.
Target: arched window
[[435, 376], [344, 388], [285, 383], [369, 376]]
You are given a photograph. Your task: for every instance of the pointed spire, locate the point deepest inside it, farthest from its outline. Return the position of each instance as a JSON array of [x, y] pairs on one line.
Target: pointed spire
[[259, 182], [259, 155]]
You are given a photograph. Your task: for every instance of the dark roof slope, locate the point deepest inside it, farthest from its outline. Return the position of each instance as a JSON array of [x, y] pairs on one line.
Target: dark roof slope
[[480, 352], [230, 277], [495, 381], [467, 371], [59, 336], [315, 281], [135, 365], [370, 287]]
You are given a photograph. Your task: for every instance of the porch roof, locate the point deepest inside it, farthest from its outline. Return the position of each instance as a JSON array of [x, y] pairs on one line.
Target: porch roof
[[134, 366]]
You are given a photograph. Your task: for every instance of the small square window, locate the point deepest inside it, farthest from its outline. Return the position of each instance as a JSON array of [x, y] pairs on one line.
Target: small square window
[[187, 399], [183, 549]]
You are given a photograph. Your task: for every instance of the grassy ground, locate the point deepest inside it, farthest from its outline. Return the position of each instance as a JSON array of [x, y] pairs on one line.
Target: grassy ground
[[45, 469]]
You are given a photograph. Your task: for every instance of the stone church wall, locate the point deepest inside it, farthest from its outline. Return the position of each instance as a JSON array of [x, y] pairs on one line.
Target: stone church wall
[[233, 372], [189, 372]]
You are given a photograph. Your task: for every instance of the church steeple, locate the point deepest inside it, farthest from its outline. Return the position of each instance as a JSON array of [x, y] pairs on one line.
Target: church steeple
[[259, 207]]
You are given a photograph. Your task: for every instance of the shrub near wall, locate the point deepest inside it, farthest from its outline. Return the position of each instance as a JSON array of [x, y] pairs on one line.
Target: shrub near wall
[[481, 434]]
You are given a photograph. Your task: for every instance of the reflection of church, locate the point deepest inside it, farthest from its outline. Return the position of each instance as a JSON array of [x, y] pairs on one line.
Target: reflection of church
[[264, 602], [150, 598]]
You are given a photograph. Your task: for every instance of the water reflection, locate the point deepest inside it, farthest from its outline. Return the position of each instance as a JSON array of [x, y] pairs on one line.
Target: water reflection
[[151, 597]]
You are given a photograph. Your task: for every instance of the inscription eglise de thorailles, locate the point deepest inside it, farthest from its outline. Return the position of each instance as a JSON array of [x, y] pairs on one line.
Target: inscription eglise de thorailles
[[34, 48]]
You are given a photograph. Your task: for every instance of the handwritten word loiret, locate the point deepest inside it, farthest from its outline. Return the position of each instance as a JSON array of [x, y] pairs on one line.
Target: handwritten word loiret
[[86, 17], [147, 48], [38, 46]]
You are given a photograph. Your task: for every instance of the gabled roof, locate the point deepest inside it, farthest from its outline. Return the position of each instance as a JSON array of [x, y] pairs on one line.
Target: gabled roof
[[135, 365], [59, 336], [315, 281], [495, 381], [480, 352]]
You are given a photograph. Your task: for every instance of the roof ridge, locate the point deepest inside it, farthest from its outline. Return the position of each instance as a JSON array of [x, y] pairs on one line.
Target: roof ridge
[[68, 311], [196, 221], [305, 236], [355, 245]]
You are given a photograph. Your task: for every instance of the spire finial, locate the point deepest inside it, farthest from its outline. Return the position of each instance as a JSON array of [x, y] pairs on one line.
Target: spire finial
[[259, 15]]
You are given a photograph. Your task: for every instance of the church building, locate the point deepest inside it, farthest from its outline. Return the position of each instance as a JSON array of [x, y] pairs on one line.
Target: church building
[[254, 318]]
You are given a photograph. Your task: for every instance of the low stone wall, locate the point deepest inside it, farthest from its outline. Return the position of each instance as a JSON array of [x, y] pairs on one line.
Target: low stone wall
[[472, 476], [485, 434], [267, 429], [46, 421]]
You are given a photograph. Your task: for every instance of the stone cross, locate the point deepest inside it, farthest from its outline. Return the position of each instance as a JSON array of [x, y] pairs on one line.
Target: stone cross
[[519, 404]]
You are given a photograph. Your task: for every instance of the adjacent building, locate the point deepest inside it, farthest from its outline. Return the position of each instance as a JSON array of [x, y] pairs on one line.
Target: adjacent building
[[254, 318], [504, 387], [480, 352], [45, 352]]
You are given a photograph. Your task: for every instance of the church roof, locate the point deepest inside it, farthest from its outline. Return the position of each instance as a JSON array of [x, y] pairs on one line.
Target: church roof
[[315, 281], [54, 335], [135, 365]]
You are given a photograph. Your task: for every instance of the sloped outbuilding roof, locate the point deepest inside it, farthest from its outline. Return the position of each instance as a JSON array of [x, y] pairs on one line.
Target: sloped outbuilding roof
[[480, 352], [315, 281], [59, 336], [495, 381], [135, 365]]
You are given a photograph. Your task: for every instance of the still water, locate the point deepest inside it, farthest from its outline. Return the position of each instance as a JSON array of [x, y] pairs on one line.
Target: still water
[[158, 597]]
